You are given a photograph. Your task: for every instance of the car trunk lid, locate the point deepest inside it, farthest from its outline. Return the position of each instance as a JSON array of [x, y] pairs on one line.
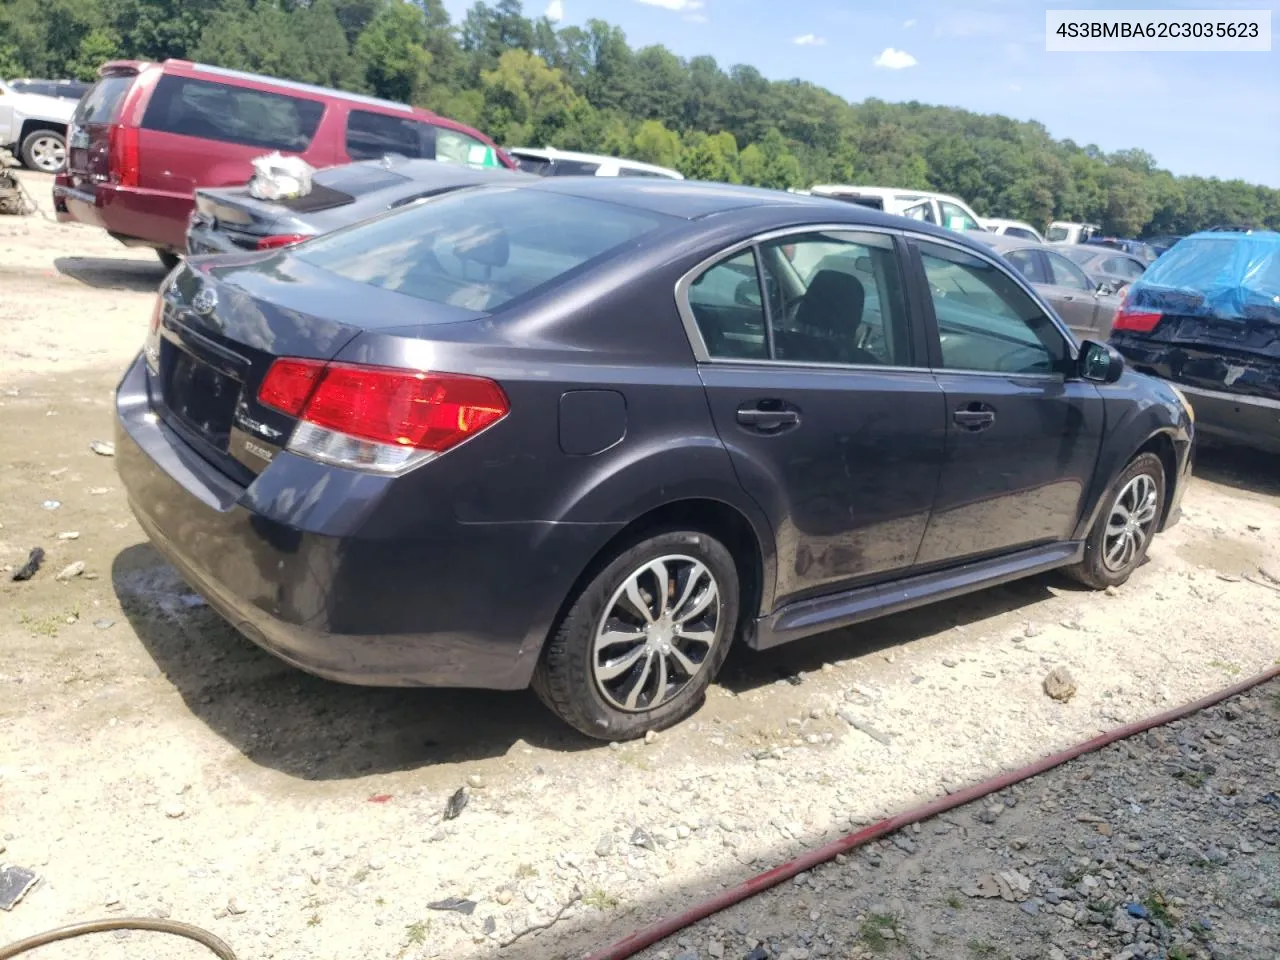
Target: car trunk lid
[[226, 321]]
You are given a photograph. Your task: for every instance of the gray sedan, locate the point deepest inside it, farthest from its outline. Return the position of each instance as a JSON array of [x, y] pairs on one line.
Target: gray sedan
[[1104, 266], [1084, 305], [228, 219]]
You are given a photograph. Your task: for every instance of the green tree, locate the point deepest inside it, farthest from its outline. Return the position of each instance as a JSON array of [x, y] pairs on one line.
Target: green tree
[[393, 51], [527, 102], [654, 143]]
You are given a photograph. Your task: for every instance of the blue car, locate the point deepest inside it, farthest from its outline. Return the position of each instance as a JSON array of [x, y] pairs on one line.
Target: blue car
[[1206, 316]]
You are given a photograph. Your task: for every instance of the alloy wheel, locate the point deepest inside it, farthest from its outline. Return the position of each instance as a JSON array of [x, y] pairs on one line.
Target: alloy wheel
[[1129, 526], [48, 154], [657, 632]]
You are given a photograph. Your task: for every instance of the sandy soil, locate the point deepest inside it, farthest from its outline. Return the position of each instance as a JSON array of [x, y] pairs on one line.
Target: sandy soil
[[154, 762]]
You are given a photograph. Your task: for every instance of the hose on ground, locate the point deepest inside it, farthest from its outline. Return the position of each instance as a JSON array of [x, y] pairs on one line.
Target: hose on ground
[[633, 943], [175, 927]]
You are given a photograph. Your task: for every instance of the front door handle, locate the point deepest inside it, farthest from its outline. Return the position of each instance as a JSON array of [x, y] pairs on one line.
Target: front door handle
[[762, 417], [974, 416]]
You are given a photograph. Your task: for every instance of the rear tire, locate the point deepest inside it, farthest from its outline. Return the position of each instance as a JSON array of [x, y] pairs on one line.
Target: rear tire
[[44, 150], [168, 258], [1121, 535], [644, 638]]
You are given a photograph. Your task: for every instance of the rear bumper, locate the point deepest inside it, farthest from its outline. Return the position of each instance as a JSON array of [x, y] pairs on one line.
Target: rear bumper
[[291, 562], [150, 217], [1252, 421]]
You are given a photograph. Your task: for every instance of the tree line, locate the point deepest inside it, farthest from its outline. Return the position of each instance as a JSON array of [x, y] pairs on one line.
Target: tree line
[[528, 82]]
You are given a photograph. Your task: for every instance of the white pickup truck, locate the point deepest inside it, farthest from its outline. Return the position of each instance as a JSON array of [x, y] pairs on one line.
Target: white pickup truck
[[34, 127]]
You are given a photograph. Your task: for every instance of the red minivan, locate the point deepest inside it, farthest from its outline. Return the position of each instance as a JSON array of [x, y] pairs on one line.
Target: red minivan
[[146, 135]]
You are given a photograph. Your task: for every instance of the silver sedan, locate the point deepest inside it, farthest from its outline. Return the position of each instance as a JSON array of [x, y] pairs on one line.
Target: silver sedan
[[1085, 305]]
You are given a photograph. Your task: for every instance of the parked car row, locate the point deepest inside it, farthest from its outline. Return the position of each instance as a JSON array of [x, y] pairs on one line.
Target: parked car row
[[148, 134]]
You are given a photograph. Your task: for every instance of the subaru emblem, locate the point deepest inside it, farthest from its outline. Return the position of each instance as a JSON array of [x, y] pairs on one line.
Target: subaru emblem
[[204, 302]]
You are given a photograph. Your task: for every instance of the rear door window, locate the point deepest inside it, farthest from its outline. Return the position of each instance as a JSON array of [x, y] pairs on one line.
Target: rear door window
[[573, 168], [103, 100], [219, 111], [1028, 264], [921, 211], [373, 135], [1067, 274]]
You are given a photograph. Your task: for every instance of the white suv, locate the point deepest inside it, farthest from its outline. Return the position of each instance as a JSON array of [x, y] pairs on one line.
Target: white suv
[[34, 127], [938, 208], [550, 162]]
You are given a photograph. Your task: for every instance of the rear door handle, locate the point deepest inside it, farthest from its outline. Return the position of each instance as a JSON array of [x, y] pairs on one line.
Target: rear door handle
[[759, 418], [974, 417]]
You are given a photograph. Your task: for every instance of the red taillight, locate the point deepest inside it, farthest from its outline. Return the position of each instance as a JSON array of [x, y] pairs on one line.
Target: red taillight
[[284, 240], [122, 154], [288, 384], [1138, 321], [384, 405]]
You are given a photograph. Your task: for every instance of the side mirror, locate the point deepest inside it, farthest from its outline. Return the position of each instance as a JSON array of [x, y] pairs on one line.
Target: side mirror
[[1099, 362]]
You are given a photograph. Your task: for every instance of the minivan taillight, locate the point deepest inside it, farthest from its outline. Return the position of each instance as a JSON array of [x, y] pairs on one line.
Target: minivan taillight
[[380, 419], [122, 154]]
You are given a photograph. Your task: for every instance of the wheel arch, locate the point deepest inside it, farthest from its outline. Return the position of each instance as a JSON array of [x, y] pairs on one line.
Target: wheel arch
[[1162, 440], [35, 125]]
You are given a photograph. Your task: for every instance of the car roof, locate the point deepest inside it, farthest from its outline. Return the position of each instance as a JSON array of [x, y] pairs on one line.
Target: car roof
[[1002, 241], [765, 209]]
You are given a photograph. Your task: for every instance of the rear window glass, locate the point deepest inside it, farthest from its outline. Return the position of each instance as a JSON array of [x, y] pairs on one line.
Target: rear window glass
[[478, 249], [103, 100], [219, 111], [373, 135], [574, 168]]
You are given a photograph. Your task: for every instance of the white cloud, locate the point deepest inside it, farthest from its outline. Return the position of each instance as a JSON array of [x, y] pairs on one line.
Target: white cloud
[[908, 24], [893, 59], [809, 40], [695, 18], [679, 6], [555, 11]]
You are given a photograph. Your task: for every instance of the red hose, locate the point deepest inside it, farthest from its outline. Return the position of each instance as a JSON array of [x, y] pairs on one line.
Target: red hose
[[633, 943]]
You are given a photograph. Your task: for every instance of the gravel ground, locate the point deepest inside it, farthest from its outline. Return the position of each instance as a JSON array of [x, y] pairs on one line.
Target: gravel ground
[[156, 763], [1163, 845]]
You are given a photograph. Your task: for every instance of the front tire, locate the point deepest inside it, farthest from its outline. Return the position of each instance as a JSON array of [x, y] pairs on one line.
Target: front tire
[[644, 638], [1121, 535], [44, 150]]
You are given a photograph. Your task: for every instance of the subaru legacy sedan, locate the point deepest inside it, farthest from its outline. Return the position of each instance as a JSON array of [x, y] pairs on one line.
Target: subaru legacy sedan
[[585, 434]]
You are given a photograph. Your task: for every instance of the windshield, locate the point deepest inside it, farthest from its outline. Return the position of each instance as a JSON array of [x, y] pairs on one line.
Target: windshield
[[479, 249]]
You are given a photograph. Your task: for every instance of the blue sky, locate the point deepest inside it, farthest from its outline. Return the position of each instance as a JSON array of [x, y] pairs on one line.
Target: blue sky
[[1212, 114]]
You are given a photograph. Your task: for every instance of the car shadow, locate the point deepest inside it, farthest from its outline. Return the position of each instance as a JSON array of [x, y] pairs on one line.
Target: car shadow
[[109, 273], [303, 726], [314, 729], [1244, 468]]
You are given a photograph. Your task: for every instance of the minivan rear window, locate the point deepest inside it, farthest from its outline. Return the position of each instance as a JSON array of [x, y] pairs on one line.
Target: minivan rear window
[[219, 111], [479, 249], [102, 102]]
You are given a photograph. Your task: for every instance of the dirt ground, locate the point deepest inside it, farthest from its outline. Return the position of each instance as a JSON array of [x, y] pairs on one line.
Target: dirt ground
[[156, 763]]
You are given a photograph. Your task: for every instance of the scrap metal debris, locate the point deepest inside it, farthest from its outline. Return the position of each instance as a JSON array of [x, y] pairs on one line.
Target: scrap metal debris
[[455, 905], [456, 803], [102, 448], [15, 883], [28, 569]]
